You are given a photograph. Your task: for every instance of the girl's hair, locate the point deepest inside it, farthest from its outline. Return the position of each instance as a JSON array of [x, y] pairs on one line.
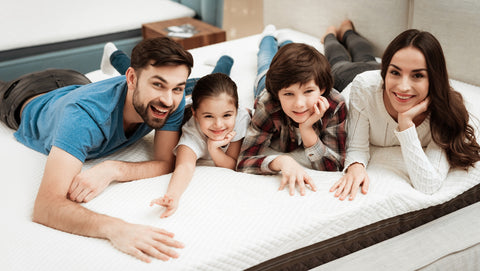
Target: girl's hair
[[448, 115], [163, 51], [298, 63], [213, 85]]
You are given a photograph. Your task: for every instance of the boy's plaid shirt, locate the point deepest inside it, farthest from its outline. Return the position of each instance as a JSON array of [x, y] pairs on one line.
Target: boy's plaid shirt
[[270, 123]]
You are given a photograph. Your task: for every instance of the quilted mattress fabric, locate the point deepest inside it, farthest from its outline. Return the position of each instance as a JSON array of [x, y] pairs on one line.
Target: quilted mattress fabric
[[227, 220]]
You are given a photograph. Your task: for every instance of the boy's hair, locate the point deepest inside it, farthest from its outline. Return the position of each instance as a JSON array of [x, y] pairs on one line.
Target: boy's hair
[[213, 85], [163, 51], [298, 63]]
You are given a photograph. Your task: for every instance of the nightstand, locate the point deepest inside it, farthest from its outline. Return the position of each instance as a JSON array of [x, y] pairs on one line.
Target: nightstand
[[207, 34]]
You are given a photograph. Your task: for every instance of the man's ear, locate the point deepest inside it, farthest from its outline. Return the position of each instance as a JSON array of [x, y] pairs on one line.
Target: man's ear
[[131, 76], [322, 91]]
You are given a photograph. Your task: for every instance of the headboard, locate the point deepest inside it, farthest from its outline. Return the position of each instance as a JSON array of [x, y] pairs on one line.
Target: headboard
[[454, 23]]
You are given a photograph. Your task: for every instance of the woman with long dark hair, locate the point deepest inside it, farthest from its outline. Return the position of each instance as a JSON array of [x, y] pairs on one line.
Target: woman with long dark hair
[[408, 103]]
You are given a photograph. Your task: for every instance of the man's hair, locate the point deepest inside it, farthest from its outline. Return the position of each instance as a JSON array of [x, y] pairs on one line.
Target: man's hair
[[161, 51], [298, 63]]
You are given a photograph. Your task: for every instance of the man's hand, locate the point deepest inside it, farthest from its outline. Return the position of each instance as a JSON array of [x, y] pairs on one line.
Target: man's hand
[[144, 242], [89, 183]]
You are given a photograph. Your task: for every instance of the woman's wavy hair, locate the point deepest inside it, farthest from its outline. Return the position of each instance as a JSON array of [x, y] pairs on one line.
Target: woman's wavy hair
[[448, 115]]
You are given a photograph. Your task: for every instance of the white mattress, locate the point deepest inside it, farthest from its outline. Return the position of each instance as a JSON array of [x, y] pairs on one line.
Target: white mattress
[[50, 21], [227, 220]]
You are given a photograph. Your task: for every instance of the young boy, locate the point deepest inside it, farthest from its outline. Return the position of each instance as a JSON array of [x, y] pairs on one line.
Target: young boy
[[295, 107]]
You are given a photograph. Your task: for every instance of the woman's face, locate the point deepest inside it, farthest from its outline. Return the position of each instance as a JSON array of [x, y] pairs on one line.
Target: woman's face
[[406, 81]]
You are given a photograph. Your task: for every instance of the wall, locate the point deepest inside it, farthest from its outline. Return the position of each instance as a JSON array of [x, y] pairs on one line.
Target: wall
[[242, 18], [454, 23]]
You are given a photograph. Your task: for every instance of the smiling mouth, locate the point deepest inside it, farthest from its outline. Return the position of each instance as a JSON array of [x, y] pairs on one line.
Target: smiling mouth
[[217, 132], [300, 113], [159, 113], [403, 97]]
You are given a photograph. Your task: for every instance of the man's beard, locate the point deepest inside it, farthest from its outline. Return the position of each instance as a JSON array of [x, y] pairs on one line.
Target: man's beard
[[143, 111]]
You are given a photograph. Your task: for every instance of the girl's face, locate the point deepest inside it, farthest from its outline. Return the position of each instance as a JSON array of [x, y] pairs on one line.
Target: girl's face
[[216, 116], [406, 81], [298, 100]]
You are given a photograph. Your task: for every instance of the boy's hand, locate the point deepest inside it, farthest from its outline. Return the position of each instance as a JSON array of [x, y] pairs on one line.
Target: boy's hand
[[292, 173], [213, 144], [319, 109], [170, 203], [355, 177]]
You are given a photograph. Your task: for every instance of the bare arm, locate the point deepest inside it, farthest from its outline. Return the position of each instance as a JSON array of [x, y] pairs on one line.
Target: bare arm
[[53, 209], [89, 183], [181, 177], [226, 159]]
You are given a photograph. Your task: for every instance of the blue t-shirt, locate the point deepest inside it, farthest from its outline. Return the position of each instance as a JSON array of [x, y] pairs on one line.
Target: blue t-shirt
[[85, 121]]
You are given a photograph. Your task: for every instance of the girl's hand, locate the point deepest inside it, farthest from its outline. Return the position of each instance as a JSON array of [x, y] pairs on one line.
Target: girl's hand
[[293, 173], [405, 119], [355, 177], [213, 144], [171, 205], [319, 109]]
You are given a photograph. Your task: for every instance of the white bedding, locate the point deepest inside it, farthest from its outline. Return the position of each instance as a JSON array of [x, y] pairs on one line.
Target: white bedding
[[51, 21], [227, 220]]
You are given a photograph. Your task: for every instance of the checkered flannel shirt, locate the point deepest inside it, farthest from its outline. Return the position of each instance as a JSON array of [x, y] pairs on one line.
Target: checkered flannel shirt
[[270, 123]]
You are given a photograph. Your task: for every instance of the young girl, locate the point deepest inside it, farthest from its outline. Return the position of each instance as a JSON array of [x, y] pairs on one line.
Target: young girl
[[215, 131], [409, 103]]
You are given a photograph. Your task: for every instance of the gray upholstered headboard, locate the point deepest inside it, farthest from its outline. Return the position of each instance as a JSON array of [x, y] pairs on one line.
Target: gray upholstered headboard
[[454, 23]]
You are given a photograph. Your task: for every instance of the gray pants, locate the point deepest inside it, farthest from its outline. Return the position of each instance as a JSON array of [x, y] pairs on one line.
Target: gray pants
[[347, 60]]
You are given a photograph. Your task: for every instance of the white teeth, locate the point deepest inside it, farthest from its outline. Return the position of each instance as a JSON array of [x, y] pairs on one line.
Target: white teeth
[[402, 97], [160, 110]]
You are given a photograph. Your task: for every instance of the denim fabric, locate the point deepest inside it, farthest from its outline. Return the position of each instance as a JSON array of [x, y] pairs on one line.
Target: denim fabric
[[120, 61], [267, 49]]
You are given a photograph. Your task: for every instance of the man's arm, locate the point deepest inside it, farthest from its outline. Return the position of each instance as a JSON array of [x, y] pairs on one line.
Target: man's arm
[[53, 209], [89, 183]]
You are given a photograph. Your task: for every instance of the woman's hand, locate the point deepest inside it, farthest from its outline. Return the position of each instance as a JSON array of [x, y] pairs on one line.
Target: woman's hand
[[170, 203], [355, 177], [406, 119]]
